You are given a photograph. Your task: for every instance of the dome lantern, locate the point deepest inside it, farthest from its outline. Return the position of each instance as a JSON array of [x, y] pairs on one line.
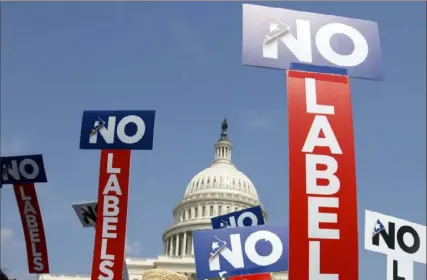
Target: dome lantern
[[223, 146]]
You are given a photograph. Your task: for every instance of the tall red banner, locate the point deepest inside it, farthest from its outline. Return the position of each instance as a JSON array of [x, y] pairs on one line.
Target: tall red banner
[[323, 241], [112, 208], [32, 224]]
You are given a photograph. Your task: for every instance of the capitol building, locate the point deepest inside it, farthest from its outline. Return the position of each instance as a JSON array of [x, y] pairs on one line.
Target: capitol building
[[219, 189]]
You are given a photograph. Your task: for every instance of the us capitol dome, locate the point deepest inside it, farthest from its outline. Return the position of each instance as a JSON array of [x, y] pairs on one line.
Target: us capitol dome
[[219, 189]]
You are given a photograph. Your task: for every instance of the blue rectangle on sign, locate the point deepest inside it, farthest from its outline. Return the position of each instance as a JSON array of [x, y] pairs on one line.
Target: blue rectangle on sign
[[240, 250], [247, 217], [22, 169], [130, 130], [275, 38]]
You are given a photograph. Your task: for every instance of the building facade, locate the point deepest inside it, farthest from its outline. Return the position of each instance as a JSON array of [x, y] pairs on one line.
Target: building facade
[[219, 189]]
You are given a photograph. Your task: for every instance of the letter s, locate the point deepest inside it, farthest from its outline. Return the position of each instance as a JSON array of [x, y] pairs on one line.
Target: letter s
[[38, 265], [105, 268]]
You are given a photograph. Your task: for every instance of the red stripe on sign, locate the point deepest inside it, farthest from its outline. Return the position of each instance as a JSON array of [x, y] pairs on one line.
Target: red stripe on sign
[[32, 224], [321, 175], [260, 276], [112, 207]]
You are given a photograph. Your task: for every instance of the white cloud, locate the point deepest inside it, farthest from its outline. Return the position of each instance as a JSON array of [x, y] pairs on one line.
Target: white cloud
[[6, 235], [133, 248]]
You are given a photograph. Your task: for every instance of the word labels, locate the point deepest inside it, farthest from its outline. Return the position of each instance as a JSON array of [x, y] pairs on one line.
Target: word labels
[[111, 215], [247, 217], [32, 224], [130, 130], [86, 211], [275, 38], [240, 250], [22, 169], [322, 178]]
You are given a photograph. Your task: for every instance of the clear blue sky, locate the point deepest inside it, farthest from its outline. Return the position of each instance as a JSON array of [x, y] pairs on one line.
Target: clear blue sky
[[184, 60]]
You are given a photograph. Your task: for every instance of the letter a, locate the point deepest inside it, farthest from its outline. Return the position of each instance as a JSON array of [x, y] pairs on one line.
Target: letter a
[[112, 185], [321, 123]]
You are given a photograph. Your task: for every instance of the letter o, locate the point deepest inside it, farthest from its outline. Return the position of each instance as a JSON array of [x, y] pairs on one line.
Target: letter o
[[408, 249], [140, 129], [32, 175], [276, 244], [323, 43], [250, 215]]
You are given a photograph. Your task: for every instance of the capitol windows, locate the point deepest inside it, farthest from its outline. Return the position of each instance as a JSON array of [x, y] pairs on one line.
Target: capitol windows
[[196, 212], [228, 209], [203, 211], [219, 209], [211, 210]]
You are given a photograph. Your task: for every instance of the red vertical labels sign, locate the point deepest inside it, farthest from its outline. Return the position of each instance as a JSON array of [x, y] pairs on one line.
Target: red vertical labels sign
[[32, 224], [112, 208], [323, 243]]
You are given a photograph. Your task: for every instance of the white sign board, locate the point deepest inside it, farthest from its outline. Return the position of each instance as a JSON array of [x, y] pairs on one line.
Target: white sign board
[[402, 241], [86, 211], [400, 238]]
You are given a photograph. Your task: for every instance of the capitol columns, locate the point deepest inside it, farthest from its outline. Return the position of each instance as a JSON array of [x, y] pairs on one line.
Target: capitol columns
[[177, 245], [192, 245], [171, 245], [168, 241], [184, 245]]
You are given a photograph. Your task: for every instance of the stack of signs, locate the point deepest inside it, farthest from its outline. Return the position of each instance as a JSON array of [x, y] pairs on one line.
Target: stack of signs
[[403, 243], [115, 133], [247, 217], [86, 212], [22, 172], [320, 63], [240, 244]]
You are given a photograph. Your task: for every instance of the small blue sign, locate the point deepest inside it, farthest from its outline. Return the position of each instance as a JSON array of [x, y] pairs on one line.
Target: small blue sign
[[22, 169], [240, 251], [129, 130], [247, 217]]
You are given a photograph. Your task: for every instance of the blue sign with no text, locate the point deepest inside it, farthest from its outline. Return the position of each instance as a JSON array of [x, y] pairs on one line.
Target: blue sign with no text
[[240, 250], [22, 169], [130, 130], [247, 217]]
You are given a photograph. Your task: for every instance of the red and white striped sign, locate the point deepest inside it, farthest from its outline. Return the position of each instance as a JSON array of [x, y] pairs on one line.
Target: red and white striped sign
[[323, 241], [32, 224], [112, 208]]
